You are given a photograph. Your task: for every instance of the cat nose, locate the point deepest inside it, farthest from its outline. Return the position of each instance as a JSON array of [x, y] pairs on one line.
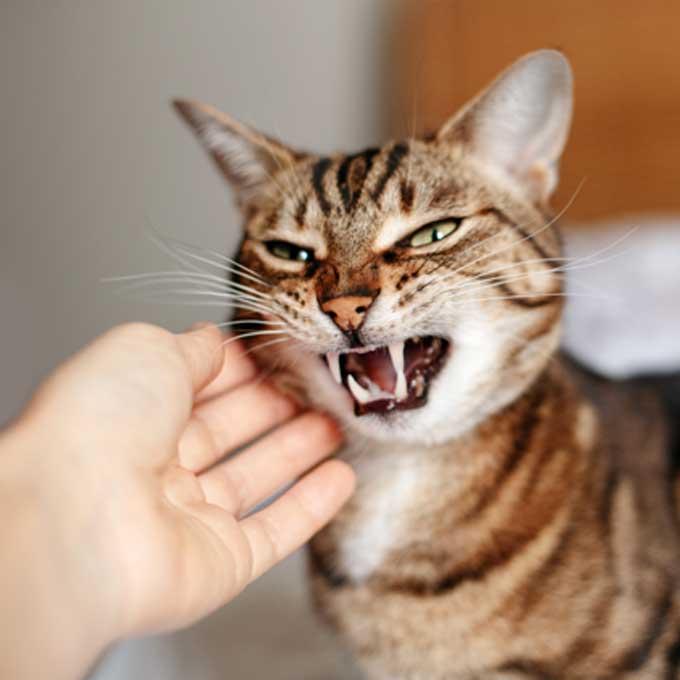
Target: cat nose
[[347, 312]]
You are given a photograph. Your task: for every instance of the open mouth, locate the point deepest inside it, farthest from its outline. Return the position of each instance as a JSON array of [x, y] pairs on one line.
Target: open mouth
[[391, 377]]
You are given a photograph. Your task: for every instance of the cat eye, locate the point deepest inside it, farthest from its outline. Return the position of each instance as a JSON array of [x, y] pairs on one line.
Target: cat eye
[[432, 232], [289, 251]]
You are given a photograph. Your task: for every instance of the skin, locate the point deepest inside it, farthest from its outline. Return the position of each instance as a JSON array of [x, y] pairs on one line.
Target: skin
[[120, 517]]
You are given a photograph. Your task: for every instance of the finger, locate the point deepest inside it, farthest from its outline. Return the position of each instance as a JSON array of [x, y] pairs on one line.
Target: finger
[[238, 484], [229, 421], [237, 368], [203, 351], [282, 527]]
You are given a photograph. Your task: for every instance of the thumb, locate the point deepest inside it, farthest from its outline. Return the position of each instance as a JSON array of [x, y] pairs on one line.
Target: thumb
[[203, 349]]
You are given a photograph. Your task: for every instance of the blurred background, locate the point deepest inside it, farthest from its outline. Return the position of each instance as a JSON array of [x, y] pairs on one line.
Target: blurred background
[[93, 159]]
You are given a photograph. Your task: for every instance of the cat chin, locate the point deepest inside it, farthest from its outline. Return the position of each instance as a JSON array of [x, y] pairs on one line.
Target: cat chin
[[468, 389], [480, 376]]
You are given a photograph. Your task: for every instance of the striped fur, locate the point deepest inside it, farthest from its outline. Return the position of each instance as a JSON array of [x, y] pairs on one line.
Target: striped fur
[[523, 522], [554, 555]]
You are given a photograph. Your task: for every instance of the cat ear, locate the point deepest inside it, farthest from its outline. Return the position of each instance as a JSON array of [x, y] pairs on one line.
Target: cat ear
[[519, 124], [247, 158]]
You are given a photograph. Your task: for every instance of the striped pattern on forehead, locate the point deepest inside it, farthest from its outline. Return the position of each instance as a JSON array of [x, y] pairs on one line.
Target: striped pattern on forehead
[[351, 175], [340, 183], [397, 153], [318, 173]]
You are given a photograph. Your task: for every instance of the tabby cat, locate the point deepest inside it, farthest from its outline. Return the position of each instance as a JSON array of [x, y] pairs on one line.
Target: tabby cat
[[515, 516]]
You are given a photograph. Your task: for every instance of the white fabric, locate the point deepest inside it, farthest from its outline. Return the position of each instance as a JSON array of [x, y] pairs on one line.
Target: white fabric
[[637, 327]]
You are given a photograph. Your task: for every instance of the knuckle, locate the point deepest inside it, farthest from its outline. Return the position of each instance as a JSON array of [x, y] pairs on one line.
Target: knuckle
[[322, 428], [279, 405], [143, 332]]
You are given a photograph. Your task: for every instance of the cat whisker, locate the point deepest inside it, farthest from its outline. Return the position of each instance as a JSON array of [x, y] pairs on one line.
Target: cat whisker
[[477, 284], [171, 272], [249, 322], [161, 288], [232, 288], [487, 274], [178, 275], [457, 294], [513, 244], [228, 295], [262, 345], [252, 334], [534, 296], [225, 305], [576, 264], [165, 244], [225, 267], [223, 259], [572, 264], [223, 263], [187, 297], [612, 245], [138, 281]]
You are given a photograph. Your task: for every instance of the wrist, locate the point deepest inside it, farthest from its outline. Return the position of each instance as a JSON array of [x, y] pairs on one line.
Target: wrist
[[49, 587]]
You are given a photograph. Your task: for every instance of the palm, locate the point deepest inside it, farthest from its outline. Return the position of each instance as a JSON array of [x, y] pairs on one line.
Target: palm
[[173, 513]]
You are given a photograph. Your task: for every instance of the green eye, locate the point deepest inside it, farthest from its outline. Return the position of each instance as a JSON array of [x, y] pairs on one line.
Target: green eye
[[289, 251], [433, 232]]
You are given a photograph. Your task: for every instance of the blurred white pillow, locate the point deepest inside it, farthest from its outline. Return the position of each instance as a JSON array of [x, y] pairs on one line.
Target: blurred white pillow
[[623, 316]]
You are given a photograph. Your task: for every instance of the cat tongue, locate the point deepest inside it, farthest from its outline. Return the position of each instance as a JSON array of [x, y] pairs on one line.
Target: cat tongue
[[391, 377], [376, 365]]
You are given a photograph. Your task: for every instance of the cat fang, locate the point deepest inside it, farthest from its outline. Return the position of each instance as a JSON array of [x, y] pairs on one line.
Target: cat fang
[[390, 377]]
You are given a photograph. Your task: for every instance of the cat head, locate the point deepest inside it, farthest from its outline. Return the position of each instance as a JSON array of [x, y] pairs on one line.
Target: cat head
[[415, 288]]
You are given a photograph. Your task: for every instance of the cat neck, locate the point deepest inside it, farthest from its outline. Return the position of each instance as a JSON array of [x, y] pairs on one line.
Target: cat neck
[[506, 478]]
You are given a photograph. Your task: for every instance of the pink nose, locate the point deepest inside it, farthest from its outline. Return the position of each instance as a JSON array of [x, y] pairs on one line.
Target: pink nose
[[348, 312]]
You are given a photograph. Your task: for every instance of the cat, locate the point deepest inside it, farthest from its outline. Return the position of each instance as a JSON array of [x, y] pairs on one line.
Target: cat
[[516, 514]]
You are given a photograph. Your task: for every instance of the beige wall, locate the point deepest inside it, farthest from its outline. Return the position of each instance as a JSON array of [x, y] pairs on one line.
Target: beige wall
[[91, 152]]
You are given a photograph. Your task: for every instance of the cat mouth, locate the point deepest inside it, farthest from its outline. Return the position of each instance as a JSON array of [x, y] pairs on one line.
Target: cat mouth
[[389, 377]]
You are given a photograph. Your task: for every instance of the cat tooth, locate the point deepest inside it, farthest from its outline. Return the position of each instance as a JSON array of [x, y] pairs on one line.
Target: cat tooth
[[361, 394], [333, 361], [397, 356], [377, 392], [419, 385], [364, 349]]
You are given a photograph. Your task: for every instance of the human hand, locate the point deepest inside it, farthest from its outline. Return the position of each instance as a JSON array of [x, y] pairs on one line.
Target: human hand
[[138, 525]]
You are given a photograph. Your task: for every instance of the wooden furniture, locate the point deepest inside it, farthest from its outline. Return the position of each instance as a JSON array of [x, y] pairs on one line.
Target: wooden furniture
[[625, 138]]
